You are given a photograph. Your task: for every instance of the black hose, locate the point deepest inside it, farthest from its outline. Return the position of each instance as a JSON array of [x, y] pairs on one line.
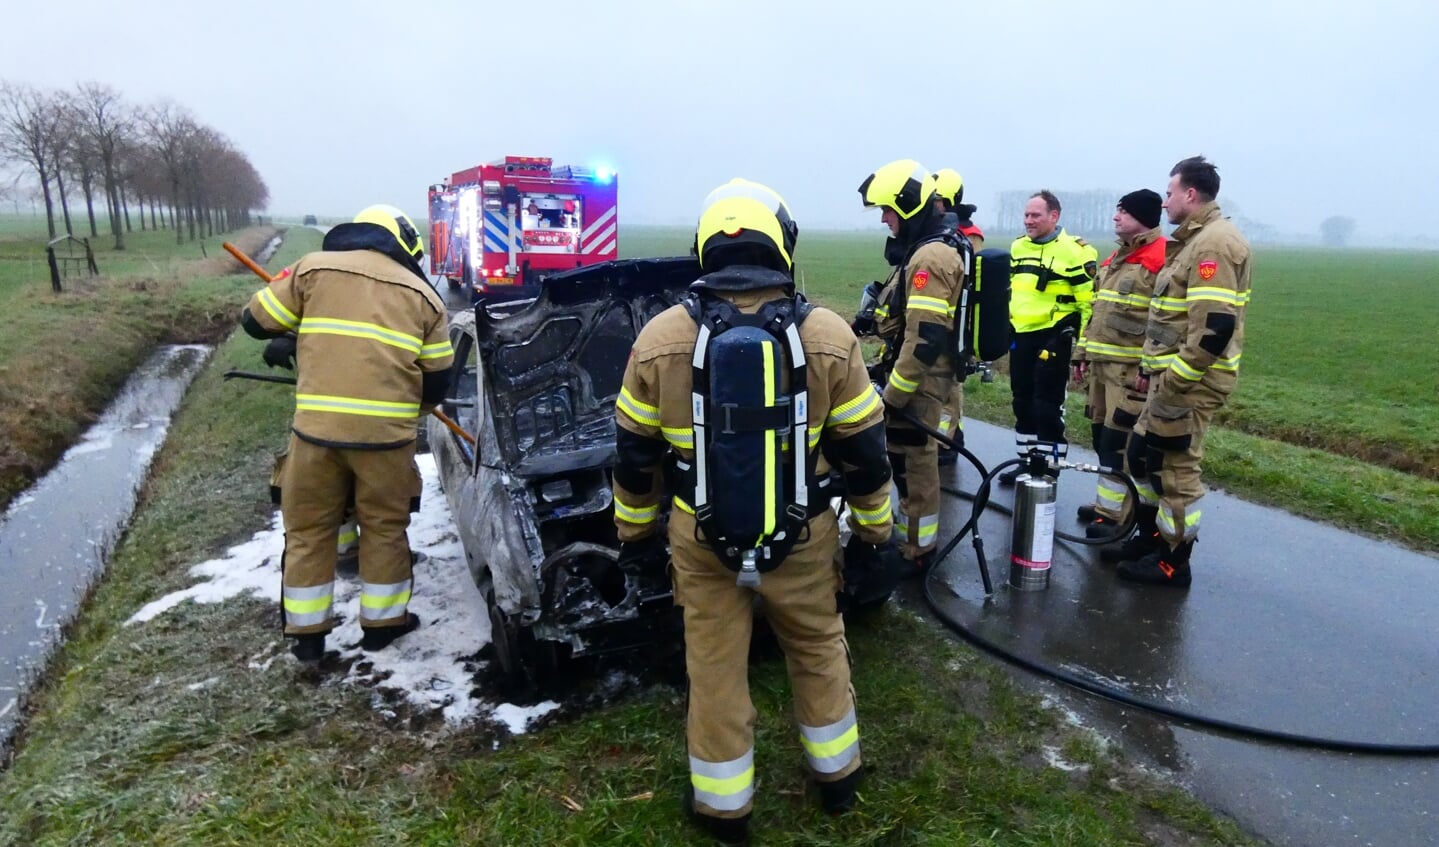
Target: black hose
[[1108, 692]]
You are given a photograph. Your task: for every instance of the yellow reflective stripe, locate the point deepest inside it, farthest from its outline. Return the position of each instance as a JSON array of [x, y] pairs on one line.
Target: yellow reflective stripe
[[1183, 369], [1229, 364], [683, 506], [679, 436], [1138, 300], [437, 351], [929, 304], [1114, 350], [361, 329], [284, 317], [373, 601], [636, 514], [300, 607], [881, 312], [355, 406], [350, 536], [1169, 304], [641, 413], [901, 384], [771, 458], [864, 404], [1222, 295], [833, 747], [872, 517]]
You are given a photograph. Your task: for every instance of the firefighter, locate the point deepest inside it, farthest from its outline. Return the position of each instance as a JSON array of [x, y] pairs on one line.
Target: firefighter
[[915, 317], [1051, 283], [745, 242], [1107, 361], [373, 337], [949, 194], [1190, 367]]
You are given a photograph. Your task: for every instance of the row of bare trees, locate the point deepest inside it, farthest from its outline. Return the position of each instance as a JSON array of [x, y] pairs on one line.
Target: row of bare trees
[[129, 158]]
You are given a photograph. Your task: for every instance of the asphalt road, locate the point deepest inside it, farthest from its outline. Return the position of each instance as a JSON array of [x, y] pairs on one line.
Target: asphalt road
[[1290, 624]]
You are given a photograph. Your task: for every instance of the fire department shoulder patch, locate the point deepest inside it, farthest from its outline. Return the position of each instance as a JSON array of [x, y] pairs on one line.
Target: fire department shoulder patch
[[1207, 270], [921, 279]]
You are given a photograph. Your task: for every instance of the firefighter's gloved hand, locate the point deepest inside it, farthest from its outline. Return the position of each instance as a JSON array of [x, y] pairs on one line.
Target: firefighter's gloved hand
[[871, 571], [648, 556], [863, 325], [280, 352]]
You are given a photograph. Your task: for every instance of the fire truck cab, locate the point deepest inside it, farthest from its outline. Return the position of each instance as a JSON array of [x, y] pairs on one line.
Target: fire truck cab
[[497, 230]]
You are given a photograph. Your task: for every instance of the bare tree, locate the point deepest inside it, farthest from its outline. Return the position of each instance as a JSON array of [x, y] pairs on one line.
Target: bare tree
[[1336, 230], [107, 123], [167, 127], [29, 126]]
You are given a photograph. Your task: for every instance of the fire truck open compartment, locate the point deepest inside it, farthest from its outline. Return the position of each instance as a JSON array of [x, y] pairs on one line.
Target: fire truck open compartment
[[498, 230]]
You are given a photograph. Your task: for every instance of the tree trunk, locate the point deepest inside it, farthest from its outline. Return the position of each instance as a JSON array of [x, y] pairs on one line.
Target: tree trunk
[[175, 211], [87, 184], [153, 225], [49, 203], [140, 205], [125, 205], [64, 203], [113, 198]]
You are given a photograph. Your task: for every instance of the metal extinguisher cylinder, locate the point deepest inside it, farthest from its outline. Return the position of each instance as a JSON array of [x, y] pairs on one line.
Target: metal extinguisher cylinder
[[1033, 545]]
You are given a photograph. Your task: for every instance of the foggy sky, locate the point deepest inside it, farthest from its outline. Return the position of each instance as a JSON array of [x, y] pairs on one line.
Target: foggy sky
[[1308, 108]]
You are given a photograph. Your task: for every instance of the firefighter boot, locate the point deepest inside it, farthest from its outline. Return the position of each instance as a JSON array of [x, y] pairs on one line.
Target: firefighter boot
[[839, 796], [309, 649], [1162, 567], [380, 637], [728, 831], [1102, 526], [1086, 513], [1144, 541]]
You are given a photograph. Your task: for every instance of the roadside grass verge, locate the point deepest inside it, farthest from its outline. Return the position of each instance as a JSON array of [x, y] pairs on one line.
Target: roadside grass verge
[[63, 356], [197, 727]]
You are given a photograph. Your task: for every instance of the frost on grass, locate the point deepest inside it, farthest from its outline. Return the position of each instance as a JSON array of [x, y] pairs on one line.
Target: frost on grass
[[432, 669]]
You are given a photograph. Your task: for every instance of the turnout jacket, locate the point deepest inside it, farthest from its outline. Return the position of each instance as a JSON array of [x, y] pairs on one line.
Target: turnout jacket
[[915, 317], [1196, 318], [1122, 290], [368, 330], [653, 416], [1049, 282]]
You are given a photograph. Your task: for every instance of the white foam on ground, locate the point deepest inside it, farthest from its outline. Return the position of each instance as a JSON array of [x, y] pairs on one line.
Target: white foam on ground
[[426, 667]]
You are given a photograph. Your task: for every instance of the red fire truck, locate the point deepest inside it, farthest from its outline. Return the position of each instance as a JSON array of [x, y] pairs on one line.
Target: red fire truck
[[497, 230]]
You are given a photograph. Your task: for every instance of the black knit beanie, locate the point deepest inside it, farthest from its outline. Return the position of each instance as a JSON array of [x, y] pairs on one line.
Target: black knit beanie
[[1142, 205]]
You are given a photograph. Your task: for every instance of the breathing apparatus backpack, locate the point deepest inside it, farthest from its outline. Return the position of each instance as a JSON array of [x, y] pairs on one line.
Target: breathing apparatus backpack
[[752, 485], [981, 319]]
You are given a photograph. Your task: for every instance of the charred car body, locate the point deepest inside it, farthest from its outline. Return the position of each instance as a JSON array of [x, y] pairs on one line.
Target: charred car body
[[536, 383]]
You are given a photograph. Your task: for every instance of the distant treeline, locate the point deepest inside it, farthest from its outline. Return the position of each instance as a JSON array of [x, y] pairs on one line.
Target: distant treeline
[[91, 143]]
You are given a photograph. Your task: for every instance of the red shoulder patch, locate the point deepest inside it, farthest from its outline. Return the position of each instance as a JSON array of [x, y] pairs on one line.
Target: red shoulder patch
[[1207, 270], [921, 279]]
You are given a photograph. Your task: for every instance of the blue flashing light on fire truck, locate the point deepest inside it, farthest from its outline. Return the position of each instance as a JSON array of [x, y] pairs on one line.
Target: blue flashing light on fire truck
[[498, 230]]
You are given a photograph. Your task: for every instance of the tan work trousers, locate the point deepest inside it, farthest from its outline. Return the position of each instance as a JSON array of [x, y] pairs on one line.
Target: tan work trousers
[[1173, 471], [914, 456], [1113, 404], [317, 483], [800, 604]]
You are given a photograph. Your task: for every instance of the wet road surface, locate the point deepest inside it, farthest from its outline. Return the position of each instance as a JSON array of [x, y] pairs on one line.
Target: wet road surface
[[1290, 625], [57, 535]]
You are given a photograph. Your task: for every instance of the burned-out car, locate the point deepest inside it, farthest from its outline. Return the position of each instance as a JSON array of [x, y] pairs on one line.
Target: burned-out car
[[536, 383]]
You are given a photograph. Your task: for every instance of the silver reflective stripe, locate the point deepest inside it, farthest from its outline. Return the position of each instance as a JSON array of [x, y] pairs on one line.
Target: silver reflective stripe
[[928, 530], [308, 606], [832, 748], [381, 602], [1111, 492], [724, 786]]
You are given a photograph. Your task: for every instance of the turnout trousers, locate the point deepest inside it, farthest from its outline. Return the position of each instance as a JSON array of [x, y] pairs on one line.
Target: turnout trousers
[[317, 483], [1164, 457], [914, 458], [1113, 407], [800, 602]]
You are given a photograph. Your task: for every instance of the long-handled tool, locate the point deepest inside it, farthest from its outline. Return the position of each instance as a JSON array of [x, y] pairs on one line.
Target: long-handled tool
[[289, 380]]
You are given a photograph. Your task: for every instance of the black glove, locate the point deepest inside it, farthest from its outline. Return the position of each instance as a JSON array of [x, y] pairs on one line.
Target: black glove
[[280, 352], [863, 325], [871, 571], [648, 556]]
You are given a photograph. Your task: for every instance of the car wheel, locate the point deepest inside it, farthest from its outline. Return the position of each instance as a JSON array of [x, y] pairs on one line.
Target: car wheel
[[521, 657]]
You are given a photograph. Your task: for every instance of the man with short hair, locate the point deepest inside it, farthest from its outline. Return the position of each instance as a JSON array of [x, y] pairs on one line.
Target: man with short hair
[[1051, 285], [1191, 366], [1107, 361]]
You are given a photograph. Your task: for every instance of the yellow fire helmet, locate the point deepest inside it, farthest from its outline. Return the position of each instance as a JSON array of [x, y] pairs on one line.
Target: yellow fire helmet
[[905, 186], [950, 186], [741, 213], [399, 225]]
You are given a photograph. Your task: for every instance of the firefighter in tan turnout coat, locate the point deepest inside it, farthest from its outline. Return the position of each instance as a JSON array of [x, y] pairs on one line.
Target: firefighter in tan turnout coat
[[745, 242], [373, 353]]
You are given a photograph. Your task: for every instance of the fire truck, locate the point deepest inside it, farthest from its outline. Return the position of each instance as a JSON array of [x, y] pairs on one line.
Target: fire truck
[[497, 230]]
